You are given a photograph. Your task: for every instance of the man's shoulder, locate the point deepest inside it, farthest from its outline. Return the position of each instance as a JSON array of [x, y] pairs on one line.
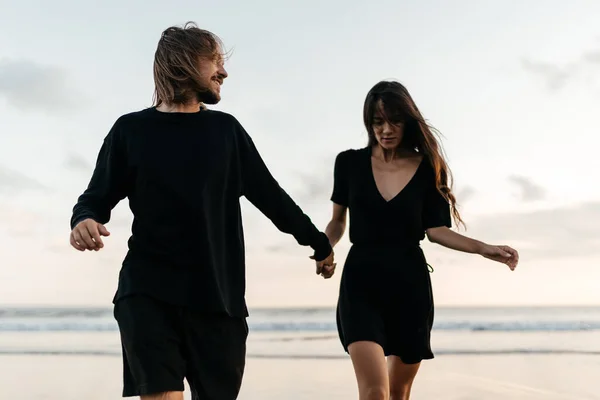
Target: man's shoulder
[[143, 113], [134, 117], [218, 113], [149, 114], [221, 116]]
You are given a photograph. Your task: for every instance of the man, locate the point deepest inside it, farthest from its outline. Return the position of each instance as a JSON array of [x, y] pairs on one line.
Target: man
[[180, 301]]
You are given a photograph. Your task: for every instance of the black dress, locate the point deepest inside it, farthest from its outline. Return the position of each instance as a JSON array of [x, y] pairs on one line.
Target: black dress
[[385, 291]]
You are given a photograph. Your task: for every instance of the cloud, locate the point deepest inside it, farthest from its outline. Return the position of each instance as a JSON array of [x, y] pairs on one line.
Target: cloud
[[465, 194], [316, 184], [76, 162], [27, 85], [557, 77], [311, 192], [529, 190], [560, 232], [13, 182], [314, 187], [18, 221], [277, 248], [592, 57]]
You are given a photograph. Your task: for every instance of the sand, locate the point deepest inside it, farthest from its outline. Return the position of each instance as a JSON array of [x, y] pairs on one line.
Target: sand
[[488, 377]]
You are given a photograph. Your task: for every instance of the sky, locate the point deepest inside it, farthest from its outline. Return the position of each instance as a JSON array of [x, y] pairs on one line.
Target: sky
[[514, 89]]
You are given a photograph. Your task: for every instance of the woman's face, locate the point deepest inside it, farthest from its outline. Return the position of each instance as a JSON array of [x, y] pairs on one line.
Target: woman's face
[[388, 131]]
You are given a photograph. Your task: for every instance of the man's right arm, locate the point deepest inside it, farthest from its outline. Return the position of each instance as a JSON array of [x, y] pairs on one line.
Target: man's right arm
[[106, 188]]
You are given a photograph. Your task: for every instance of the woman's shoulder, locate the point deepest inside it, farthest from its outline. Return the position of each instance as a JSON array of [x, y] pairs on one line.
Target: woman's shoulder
[[351, 155], [426, 167], [428, 172]]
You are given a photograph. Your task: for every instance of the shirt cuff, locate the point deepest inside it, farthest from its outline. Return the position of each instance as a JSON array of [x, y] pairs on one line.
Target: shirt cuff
[[322, 247]]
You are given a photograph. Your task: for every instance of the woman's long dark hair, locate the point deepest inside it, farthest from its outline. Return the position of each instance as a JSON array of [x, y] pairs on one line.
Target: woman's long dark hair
[[398, 106]]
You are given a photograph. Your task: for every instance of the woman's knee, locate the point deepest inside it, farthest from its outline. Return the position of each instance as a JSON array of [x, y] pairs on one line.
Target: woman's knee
[[400, 392], [402, 377], [379, 392]]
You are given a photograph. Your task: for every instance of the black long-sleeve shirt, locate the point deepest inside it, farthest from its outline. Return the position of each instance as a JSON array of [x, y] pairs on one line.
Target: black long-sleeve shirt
[[184, 174]]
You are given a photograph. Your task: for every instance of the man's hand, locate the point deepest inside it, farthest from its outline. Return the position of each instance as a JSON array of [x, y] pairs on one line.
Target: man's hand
[[326, 267], [87, 235]]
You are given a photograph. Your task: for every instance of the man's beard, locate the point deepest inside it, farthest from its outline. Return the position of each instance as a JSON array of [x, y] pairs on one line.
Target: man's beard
[[207, 96]]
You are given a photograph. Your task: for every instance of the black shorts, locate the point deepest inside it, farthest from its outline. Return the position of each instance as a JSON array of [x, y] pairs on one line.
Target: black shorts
[[165, 344]]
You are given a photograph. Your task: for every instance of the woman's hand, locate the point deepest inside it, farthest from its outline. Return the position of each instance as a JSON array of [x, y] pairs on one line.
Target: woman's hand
[[325, 268], [504, 254], [455, 241], [328, 271]]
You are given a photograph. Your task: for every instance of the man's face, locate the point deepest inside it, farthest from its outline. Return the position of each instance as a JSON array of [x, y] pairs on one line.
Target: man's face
[[213, 74]]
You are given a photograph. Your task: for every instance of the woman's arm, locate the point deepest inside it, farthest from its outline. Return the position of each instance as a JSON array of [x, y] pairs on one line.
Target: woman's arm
[[337, 226], [448, 238], [444, 236], [334, 232]]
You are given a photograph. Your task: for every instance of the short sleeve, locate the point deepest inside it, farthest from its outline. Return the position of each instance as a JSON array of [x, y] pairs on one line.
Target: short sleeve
[[436, 209], [340, 180]]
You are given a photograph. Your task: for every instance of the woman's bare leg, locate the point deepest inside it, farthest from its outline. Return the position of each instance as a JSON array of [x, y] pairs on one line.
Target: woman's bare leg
[[401, 378], [371, 371], [164, 396]]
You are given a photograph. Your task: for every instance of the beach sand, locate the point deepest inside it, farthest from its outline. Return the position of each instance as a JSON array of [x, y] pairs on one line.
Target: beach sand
[[448, 377]]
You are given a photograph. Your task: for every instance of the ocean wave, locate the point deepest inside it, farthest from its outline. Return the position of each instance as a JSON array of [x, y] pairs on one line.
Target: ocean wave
[[106, 325], [509, 326], [50, 312], [317, 320], [34, 326], [105, 312]]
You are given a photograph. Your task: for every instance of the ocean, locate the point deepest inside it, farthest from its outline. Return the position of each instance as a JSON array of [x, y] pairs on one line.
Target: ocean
[[311, 333]]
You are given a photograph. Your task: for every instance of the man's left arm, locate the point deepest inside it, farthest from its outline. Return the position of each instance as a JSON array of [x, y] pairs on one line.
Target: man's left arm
[[263, 191]]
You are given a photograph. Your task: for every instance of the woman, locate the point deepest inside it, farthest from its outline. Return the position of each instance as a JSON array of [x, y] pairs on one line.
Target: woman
[[397, 190]]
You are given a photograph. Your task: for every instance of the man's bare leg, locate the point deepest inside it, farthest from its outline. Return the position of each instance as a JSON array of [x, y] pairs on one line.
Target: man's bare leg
[[164, 396]]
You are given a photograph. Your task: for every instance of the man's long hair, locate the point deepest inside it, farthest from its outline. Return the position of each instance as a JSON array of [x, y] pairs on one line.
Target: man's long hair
[[177, 79]]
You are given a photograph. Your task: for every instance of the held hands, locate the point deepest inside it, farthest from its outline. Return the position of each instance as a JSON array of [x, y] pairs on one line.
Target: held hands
[[87, 235], [325, 268], [503, 254]]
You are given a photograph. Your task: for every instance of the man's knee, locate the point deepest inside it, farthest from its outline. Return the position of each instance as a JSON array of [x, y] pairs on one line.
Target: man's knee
[[164, 396]]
